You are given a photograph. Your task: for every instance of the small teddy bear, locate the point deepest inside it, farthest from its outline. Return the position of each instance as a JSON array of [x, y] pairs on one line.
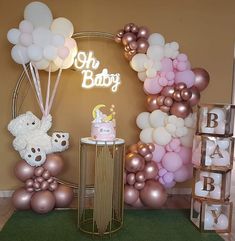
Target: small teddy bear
[[31, 138]]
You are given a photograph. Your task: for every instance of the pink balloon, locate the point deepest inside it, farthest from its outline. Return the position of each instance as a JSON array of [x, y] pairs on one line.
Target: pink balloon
[[172, 161], [158, 153], [63, 196], [21, 199], [54, 164], [168, 177], [162, 172], [181, 175], [186, 154], [63, 52], [151, 86], [169, 185], [187, 77], [167, 65], [23, 171], [150, 170], [130, 194]]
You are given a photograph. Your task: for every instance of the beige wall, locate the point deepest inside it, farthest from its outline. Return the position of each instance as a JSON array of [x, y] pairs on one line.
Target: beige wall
[[205, 30]]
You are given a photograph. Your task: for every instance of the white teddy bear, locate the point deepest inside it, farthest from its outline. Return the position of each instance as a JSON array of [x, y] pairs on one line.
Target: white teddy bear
[[31, 138]]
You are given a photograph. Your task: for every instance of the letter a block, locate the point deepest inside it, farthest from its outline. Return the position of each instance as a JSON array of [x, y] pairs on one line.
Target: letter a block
[[211, 185], [215, 120], [211, 216]]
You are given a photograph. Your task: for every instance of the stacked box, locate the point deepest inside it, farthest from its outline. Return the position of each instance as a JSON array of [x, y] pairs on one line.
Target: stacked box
[[212, 157]]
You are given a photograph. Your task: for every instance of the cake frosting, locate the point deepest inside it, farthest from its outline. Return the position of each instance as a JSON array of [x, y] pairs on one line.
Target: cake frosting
[[103, 127]]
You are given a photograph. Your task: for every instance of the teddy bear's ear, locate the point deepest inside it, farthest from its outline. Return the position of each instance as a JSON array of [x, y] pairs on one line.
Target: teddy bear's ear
[[29, 113]]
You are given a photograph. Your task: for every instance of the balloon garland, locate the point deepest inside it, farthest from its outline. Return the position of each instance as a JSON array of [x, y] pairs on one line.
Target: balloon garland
[[163, 156]]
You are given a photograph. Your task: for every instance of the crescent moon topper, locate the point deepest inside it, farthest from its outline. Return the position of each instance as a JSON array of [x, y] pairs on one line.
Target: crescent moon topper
[[100, 117]]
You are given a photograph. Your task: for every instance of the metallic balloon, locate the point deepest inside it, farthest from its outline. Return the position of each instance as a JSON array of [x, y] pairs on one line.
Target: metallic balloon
[[139, 185], [30, 189], [127, 48], [63, 196], [142, 45], [143, 33], [137, 204], [40, 179], [150, 170], [202, 78], [195, 98], [54, 164], [168, 91], [23, 171], [165, 108], [46, 174], [29, 183], [180, 86], [43, 202], [133, 148], [50, 180], [148, 157], [128, 38], [168, 101], [130, 194], [177, 96], [186, 94], [36, 185], [44, 185], [127, 27], [133, 45], [151, 147], [53, 186], [120, 33], [180, 109], [21, 199], [38, 171], [130, 178], [160, 99], [140, 177], [117, 39], [153, 194], [152, 103], [134, 162], [143, 149], [134, 29]]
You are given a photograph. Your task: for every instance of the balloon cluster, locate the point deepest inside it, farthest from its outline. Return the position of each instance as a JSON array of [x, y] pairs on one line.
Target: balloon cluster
[[141, 188], [45, 42], [134, 39], [42, 192]]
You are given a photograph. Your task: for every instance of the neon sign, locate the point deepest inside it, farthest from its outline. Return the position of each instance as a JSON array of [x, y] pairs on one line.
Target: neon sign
[[87, 63]]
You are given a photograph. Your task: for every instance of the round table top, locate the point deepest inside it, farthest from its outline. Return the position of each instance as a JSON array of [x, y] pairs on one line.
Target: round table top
[[89, 140]]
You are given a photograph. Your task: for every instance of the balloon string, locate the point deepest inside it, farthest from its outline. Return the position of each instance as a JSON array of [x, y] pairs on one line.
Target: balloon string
[[48, 90], [39, 84], [54, 90]]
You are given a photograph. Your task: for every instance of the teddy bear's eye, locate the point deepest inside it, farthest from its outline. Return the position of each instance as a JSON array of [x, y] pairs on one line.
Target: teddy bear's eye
[[33, 123]]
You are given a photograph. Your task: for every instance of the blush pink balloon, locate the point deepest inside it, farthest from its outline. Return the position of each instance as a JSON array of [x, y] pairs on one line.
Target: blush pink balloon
[[186, 154], [168, 177], [130, 194], [181, 175], [150, 170], [158, 153], [167, 65], [151, 86], [172, 161], [187, 77]]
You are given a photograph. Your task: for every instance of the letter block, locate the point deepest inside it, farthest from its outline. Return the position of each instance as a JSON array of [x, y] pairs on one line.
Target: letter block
[[213, 153], [215, 120], [211, 216], [211, 185]]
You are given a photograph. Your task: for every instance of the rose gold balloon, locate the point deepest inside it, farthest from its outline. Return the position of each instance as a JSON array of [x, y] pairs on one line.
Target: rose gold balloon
[[127, 48], [138, 204], [168, 91], [148, 157], [21, 199], [38, 171], [143, 33], [195, 98], [180, 86], [30, 189], [186, 94], [46, 174], [54, 164], [133, 148], [120, 33], [50, 180], [177, 96], [44, 185], [63, 196], [29, 183], [180, 109], [153, 194], [128, 38], [130, 194], [168, 101], [134, 29], [43, 202], [150, 170], [130, 178], [53, 186], [23, 171], [134, 162], [152, 103], [127, 27], [133, 45], [140, 177], [143, 149], [202, 78], [151, 147], [164, 108], [36, 185], [160, 100], [40, 179], [118, 39], [139, 185], [142, 45]]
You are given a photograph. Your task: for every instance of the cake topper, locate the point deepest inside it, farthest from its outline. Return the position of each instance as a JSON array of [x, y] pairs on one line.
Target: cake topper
[[100, 117]]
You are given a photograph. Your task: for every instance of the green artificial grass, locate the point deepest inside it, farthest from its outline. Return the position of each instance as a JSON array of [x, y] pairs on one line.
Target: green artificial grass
[[139, 225]]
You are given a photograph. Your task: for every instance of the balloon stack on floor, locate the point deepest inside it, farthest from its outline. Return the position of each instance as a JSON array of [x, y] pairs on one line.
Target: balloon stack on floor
[[213, 151], [41, 191]]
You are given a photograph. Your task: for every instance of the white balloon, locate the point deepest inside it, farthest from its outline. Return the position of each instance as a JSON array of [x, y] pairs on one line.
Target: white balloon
[[42, 64], [64, 64], [138, 61], [58, 40], [199, 190], [38, 14], [53, 67], [161, 136], [222, 222], [217, 177], [146, 135], [13, 35], [142, 120], [171, 128], [155, 52], [151, 72], [187, 140], [190, 120], [142, 76], [19, 54], [62, 26], [50, 52], [26, 26], [157, 118], [26, 39], [208, 221], [42, 36], [156, 39], [181, 131], [34, 52]]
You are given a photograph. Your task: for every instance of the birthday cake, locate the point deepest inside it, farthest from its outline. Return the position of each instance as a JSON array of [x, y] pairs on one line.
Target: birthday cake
[[103, 127]]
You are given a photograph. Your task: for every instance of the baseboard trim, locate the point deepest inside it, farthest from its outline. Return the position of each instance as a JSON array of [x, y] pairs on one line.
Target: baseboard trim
[[90, 191]]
